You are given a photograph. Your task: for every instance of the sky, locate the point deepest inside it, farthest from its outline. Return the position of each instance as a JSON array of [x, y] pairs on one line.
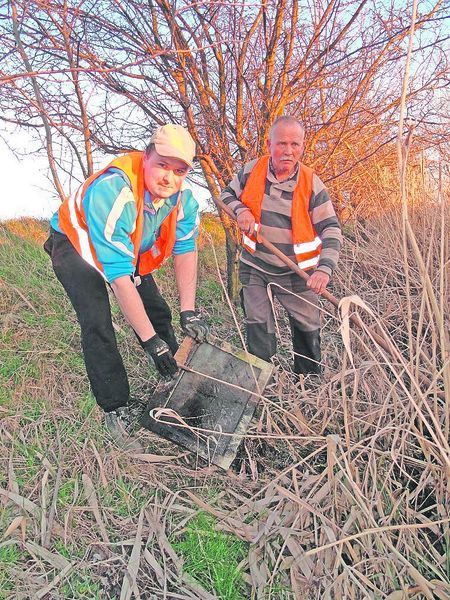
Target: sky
[[28, 192]]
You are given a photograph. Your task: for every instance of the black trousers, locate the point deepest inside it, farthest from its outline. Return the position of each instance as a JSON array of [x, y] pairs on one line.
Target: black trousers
[[88, 294]]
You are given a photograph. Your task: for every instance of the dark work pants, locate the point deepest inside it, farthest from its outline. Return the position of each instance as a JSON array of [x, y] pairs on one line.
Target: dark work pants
[[302, 306], [88, 294]]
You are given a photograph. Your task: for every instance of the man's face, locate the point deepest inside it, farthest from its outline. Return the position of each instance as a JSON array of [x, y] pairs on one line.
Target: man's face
[[286, 147], [163, 175]]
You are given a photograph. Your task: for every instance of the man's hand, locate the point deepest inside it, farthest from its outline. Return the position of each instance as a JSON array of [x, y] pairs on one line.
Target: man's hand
[[193, 325], [246, 221], [160, 353], [318, 281]]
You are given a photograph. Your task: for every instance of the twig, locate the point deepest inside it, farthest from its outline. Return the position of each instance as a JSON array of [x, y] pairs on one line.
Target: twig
[[19, 293], [52, 512], [375, 530]]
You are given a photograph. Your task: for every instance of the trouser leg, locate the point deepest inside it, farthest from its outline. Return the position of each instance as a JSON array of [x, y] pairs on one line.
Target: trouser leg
[[88, 294], [259, 319], [158, 311], [304, 318]]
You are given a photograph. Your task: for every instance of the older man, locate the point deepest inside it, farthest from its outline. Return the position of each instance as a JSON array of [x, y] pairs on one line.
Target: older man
[[291, 205], [120, 226]]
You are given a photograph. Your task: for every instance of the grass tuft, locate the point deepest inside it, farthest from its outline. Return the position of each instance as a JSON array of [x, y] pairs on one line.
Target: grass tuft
[[213, 558]]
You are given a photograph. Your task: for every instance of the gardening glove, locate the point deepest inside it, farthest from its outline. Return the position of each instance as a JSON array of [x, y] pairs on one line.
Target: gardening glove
[[160, 353], [194, 325]]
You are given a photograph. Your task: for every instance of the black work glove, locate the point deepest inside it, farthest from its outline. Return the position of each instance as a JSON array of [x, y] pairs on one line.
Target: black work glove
[[161, 355], [193, 325]]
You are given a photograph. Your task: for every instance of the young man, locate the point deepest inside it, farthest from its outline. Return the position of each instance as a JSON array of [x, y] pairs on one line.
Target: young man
[[120, 226], [292, 205]]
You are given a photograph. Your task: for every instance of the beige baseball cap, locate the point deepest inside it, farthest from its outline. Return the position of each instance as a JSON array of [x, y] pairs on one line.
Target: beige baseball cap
[[174, 141]]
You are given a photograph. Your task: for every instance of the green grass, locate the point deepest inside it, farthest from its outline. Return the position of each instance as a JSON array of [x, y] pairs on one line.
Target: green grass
[[33, 409], [28, 465], [9, 557], [210, 292], [69, 551], [6, 585], [9, 371], [212, 558], [81, 586], [66, 493], [9, 376], [86, 404], [127, 497]]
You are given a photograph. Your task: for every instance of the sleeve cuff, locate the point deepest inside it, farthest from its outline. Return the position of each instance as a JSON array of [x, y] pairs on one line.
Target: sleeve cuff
[[110, 278], [240, 209], [325, 269]]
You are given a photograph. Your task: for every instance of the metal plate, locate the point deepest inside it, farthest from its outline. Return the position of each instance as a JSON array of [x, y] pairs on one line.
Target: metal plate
[[214, 415]]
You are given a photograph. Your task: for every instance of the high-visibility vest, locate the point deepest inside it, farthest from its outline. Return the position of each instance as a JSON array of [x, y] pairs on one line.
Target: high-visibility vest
[[307, 244], [72, 219]]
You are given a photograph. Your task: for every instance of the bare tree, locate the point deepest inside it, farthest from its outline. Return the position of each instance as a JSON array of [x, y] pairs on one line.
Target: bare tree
[[113, 69]]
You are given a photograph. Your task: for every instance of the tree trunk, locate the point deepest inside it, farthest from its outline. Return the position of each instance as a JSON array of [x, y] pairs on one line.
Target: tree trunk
[[233, 251]]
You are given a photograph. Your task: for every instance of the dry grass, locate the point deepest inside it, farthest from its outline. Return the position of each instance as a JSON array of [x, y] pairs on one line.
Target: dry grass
[[341, 490]]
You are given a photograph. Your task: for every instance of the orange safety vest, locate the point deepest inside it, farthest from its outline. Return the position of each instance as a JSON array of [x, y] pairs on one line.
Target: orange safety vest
[[72, 219], [307, 244]]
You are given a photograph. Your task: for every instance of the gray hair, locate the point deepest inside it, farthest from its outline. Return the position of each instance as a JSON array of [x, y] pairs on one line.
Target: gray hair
[[288, 120]]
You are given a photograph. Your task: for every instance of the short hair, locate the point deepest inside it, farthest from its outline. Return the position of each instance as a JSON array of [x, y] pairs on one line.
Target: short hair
[[288, 120], [150, 148]]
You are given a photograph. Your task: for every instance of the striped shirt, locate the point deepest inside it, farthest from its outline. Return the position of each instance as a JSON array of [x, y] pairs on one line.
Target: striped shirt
[[111, 214], [276, 220]]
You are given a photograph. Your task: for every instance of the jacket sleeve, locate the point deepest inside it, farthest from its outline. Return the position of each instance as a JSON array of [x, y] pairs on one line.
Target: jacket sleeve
[[232, 192], [111, 214], [327, 226], [187, 224]]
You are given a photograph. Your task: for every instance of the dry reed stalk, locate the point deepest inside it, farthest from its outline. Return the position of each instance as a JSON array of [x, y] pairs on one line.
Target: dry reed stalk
[[409, 236], [402, 151], [91, 498]]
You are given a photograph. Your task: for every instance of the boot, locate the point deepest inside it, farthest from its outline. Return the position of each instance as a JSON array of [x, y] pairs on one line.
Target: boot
[[120, 425], [306, 343], [259, 342]]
